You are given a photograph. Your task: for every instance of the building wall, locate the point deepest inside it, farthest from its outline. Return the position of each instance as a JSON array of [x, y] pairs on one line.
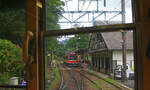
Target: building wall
[[102, 62], [117, 56]]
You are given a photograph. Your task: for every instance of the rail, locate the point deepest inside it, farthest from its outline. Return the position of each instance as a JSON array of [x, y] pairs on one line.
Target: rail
[[79, 85], [104, 80], [90, 80]]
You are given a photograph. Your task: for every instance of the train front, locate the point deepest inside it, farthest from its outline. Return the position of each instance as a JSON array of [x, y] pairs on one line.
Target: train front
[[73, 59]]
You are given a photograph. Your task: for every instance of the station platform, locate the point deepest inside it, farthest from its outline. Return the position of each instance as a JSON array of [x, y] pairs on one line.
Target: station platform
[[122, 86]]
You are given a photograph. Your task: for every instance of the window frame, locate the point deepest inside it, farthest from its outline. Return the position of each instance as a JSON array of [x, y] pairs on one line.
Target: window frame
[[108, 28]]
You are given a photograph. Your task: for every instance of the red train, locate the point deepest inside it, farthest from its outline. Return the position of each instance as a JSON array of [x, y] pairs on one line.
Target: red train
[[71, 59]]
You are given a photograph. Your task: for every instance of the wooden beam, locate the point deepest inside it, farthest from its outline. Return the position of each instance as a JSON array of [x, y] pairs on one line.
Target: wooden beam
[[104, 28]]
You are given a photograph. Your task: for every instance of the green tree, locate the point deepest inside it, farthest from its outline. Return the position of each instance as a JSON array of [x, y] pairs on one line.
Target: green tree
[[61, 49], [79, 41], [51, 44], [53, 10], [11, 62]]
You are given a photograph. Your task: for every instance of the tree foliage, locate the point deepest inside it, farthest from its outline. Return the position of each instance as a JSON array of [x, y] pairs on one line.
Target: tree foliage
[[53, 9], [51, 44], [11, 62], [12, 24], [60, 48], [77, 42]]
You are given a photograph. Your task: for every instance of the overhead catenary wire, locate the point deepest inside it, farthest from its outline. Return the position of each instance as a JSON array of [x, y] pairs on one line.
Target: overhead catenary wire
[[116, 8], [82, 6], [89, 4], [67, 8], [85, 10], [54, 11], [118, 13]]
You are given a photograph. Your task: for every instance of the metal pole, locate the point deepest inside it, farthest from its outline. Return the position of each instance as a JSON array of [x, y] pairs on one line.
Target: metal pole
[[104, 3], [124, 55], [105, 16], [124, 42], [97, 5], [123, 10], [78, 5]]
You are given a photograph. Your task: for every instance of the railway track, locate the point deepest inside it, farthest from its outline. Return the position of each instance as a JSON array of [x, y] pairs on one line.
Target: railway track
[[82, 83], [78, 82], [87, 73], [83, 75], [79, 77], [62, 80]]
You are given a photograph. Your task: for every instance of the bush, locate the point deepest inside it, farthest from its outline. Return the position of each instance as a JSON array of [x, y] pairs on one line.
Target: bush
[[11, 63]]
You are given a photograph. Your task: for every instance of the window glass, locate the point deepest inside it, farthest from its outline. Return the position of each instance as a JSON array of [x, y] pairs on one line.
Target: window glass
[[73, 57], [64, 14], [12, 28], [108, 55]]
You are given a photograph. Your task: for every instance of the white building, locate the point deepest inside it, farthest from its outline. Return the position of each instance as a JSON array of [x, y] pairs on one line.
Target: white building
[[106, 50]]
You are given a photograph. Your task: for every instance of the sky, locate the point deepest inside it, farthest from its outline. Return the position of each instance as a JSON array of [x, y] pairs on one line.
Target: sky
[[91, 5]]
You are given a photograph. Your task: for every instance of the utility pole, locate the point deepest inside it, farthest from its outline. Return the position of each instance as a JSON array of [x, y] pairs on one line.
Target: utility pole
[[123, 10], [124, 55], [123, 42]]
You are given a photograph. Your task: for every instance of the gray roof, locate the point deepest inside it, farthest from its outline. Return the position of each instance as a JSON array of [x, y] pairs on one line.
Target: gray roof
[[113, 40]]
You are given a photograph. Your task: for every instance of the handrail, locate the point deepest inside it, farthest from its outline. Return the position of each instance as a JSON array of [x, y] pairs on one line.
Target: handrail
[[27, 36]]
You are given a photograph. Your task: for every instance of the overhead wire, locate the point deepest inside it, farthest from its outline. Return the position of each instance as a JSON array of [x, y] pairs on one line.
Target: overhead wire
[[127, 17], [82, 6], [116, 7], [119, 12], [67, 7], [88, 5], [86, 8], [112, 0]]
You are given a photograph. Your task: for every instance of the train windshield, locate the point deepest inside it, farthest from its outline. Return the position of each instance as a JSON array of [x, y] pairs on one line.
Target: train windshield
[[73, 57]]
